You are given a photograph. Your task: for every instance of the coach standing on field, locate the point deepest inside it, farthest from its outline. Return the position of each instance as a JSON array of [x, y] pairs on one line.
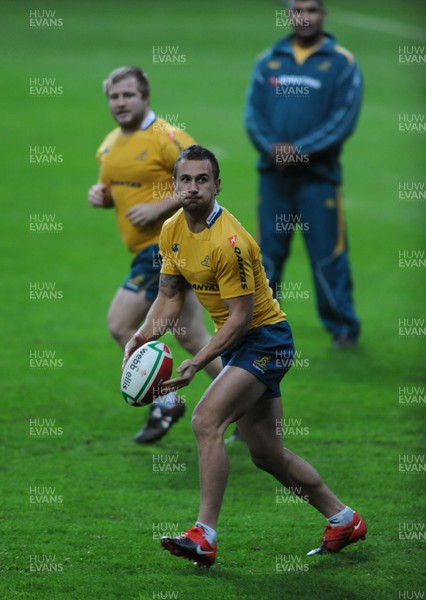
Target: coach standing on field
[[303, 103]]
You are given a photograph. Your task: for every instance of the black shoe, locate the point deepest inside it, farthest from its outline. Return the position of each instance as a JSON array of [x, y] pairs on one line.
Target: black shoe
[[235, 437], [341, 342], [159, 422]]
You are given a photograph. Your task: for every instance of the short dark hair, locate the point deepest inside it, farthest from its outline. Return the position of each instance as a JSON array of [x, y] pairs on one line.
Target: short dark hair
[[196, 152], [124, 72]]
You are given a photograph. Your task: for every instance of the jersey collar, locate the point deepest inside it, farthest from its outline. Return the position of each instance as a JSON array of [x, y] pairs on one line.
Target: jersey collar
[[149, 120], [216, 212], [283, 46]]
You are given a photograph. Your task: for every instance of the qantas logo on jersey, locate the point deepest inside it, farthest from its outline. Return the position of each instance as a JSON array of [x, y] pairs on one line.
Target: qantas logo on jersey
[[232, 240], [241, 269], [132, 184], [205, 288], [324, 66], [286, 80]]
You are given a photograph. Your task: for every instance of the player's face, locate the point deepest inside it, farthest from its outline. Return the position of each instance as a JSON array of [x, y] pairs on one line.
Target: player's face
[[195, 186], [308, 18], [127, 105]]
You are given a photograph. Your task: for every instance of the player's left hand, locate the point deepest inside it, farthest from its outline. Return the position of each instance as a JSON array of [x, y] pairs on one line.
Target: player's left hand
[[143, 214], [187, 370]]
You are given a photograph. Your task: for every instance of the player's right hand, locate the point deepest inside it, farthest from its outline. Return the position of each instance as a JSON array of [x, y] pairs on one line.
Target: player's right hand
[[133, 344], [99, 196]]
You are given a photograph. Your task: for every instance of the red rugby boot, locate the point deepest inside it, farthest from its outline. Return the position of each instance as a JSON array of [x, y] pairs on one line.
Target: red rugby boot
[[336, 538], [191, 545]]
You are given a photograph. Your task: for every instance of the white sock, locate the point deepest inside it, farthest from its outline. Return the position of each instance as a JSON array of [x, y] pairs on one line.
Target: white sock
[[344, 517], [167, 401], [209, 532]]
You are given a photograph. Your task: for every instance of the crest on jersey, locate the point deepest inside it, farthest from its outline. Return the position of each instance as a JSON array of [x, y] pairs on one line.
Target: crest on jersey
[[206, 261], [142, 155], [232, 240], [324, 66], [175, 247]]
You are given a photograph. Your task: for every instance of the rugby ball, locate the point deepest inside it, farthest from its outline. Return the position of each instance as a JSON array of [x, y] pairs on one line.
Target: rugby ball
[[146, 369]]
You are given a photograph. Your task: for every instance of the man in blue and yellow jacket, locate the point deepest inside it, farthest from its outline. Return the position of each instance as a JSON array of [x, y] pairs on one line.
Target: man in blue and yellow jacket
[[302, 104]]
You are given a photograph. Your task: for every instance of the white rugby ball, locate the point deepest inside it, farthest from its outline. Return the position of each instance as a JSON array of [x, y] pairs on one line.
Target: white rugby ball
[[146, 369]]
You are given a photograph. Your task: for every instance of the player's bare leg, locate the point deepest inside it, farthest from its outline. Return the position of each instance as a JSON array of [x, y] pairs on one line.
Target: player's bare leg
[[235, 395], [223, 402], [226, 399], [191, 332], [128, 309], [264, 440], [236, 392]]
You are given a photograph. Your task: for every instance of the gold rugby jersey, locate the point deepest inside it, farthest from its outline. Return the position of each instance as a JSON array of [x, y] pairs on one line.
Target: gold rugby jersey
[[138, 167], [222, 261]]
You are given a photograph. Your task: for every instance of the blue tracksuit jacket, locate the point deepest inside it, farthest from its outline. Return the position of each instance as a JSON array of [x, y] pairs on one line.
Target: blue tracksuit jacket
[[314, 106]]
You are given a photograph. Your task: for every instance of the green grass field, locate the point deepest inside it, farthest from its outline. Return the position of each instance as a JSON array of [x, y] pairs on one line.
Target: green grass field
[[83, 506]]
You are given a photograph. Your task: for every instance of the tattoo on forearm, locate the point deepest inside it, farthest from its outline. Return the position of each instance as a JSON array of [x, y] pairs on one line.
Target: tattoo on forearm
[[174, 282]]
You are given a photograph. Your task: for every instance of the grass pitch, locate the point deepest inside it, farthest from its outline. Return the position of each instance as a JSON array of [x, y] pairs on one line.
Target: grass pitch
[[83, 507]]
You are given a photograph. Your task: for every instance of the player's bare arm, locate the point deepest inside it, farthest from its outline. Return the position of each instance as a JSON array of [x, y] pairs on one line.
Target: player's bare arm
[[236, 325], [99, 196], [162, 314], [145, 214]]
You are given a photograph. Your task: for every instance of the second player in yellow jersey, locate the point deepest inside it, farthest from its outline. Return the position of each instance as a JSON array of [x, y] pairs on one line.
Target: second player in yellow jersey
[[137, 168]]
